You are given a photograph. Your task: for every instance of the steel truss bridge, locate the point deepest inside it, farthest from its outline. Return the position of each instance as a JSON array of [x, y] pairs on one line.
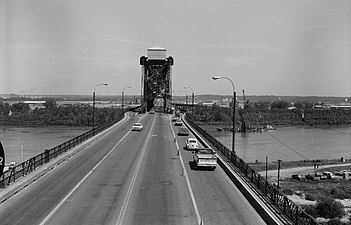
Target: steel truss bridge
[[156, 78]]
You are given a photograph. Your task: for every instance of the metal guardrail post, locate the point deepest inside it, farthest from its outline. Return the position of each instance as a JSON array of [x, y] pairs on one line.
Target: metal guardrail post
[[47, 156]]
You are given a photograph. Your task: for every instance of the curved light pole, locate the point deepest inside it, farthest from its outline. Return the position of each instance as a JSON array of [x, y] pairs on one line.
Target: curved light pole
[[192, 98], [186, 97], [234, 100], [123, 97], [94, 101]]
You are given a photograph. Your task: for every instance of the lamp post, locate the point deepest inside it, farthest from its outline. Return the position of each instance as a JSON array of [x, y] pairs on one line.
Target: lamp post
[[234, 100], [141, 96], [94, 101], [186, 98], [192, 98], [123, 97], [279, 161]]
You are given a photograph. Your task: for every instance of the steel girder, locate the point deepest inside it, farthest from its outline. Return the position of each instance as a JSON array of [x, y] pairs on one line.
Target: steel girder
[[157, 81]]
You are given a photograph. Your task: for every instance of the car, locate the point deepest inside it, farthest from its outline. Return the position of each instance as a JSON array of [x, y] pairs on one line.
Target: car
[[191, 143], [137, 126], [175, 118], [152, 111], [205, 157], [183, 132], [178, 123]]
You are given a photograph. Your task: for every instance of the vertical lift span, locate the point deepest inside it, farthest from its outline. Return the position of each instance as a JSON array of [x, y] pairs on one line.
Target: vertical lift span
[[156, 79]]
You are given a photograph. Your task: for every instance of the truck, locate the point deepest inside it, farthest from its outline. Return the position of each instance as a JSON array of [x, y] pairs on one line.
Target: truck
[[205, 157]]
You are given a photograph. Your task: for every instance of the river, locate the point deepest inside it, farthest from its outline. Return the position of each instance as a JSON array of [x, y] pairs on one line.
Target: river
[[289, 143], [22, 143]]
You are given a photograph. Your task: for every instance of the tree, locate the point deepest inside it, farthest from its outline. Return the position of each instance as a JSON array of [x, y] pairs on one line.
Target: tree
[[280, 105], [50, 103], [329, 208], [20, 107]]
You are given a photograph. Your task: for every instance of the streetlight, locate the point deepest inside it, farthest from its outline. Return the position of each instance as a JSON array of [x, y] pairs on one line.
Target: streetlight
[[192, 99], [94, 102], [279, 161], [234, 99], [186, 97], [123, 97]]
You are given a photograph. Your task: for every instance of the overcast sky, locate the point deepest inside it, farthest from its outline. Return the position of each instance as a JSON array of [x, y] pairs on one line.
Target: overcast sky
[[272, 47]]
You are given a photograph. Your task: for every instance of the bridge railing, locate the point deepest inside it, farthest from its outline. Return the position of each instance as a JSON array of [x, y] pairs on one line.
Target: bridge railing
[[26, 167], [288, 207]]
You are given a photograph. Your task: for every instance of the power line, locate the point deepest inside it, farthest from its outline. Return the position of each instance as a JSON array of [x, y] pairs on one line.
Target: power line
[[288, 146]]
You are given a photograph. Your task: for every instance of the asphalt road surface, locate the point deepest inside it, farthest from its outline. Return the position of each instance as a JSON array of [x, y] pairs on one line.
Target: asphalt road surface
[[131, 177]]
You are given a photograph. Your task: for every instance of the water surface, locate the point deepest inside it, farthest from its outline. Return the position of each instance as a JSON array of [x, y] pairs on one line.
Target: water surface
[[25, 142], [290, 143]]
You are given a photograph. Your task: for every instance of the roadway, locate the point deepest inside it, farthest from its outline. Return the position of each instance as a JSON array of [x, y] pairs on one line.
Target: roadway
[[131, 177]]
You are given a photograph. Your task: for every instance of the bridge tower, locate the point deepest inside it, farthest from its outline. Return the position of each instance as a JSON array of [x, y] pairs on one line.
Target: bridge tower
[[156, 78]]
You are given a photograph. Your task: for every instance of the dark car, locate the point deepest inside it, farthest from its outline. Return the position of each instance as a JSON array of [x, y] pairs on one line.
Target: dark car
[[183, 131]]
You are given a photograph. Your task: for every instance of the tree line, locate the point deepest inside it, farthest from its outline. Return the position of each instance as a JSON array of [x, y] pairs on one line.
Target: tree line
[[75, 115], [276, 113]]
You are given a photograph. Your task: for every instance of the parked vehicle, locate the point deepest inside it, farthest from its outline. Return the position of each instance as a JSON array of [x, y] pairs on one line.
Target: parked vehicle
[[191, 143], [137, 127], [175, 118], [205, 157], [183, 131]]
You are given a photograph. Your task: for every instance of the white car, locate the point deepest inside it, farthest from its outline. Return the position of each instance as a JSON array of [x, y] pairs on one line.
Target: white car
[[191, 143], [178, 123], [137, 126]]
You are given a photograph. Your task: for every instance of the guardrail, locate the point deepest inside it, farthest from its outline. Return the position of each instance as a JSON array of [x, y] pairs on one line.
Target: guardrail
[[288, 207], [31, 164]]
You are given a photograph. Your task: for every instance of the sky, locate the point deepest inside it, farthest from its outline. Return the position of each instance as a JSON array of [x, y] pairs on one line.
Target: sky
[[270, 47]]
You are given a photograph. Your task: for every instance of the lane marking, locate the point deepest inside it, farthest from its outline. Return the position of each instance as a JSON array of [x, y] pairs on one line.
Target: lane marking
[[47, 218], [135, 174], [198, 217]]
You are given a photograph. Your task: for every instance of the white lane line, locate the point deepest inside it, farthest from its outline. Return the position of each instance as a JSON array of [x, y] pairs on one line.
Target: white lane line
[[46, 219], [198, 217], [135, 174]]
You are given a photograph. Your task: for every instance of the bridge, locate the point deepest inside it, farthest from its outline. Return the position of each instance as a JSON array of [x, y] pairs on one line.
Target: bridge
[[112, 175], [156, 75]]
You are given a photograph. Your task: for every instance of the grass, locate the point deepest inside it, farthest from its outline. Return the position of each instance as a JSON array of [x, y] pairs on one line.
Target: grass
[[314, 190]]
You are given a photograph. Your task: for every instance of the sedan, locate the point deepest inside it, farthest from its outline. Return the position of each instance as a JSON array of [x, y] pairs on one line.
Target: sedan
[[178, 123], [183, 132], [191, 143], [137, 126]]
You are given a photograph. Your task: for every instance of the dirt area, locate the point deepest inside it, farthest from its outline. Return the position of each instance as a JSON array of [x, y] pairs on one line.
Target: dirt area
[[309, 191], [286, 173]]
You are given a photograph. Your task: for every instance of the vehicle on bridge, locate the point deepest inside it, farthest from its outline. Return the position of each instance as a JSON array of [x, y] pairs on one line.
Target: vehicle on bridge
[[191, 143], [183, 131], [178, 123], [137, 127], [205, 157], [175, 118]]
